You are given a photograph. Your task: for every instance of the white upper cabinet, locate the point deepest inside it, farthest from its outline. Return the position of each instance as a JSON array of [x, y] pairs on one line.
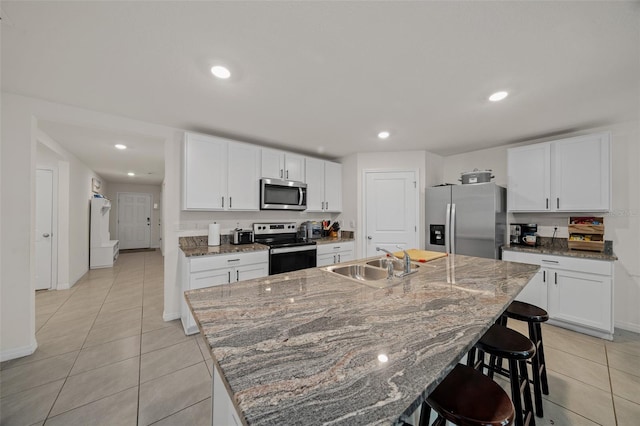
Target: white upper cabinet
[[569, 175], [282, 165], [219, 174], [324, 185], [204, 172], [582, 173]]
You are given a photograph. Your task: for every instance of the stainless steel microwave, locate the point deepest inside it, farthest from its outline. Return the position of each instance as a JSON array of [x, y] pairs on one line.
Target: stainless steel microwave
[[278, 194]]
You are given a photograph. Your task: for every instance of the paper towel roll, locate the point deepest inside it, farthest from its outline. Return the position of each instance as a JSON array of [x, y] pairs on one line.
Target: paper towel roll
[[214, 234]]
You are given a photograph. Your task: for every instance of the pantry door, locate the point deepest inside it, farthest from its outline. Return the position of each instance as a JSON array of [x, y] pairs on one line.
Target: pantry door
[[391, 211], [134, 220]]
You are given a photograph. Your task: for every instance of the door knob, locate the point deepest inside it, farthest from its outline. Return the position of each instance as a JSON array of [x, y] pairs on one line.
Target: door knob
[[369, 237], [45, 235]]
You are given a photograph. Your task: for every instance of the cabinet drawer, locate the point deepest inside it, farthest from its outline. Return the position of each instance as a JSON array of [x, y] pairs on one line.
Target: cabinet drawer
[[589, 266], [334, 248], [228, 260]]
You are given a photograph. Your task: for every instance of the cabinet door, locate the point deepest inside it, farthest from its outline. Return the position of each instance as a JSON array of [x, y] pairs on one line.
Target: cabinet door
[[346, 256], [579, 298], [326, 259], [582, 173], [204, 172], [314, 177], [529, 181], [294, 167], [332, 186], [244, 177], [249, 272], [272, 163], [211, 278], [535, 292]]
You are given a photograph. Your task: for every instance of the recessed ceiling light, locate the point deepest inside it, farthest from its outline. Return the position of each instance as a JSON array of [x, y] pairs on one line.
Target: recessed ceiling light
[[384, 135], [220, 72], [131, 174], [498, 96], [120, 146]]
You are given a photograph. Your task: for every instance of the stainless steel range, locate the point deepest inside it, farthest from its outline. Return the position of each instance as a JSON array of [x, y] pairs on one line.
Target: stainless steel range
[[287, 252]]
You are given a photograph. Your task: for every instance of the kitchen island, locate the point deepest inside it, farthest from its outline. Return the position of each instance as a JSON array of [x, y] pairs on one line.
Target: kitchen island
[[313, 347]]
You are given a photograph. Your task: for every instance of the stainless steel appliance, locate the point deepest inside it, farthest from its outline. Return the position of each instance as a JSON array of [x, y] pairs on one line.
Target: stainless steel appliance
[[523, 234], [311, 229], [466, 219], [476, 176], [241, 236], [278, 194], [287, 252]]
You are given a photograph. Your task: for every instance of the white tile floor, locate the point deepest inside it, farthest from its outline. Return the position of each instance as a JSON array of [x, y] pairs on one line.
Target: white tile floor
[[106, 357]]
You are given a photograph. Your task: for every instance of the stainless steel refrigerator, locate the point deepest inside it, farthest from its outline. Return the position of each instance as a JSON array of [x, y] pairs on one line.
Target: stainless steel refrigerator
[[466, 219]]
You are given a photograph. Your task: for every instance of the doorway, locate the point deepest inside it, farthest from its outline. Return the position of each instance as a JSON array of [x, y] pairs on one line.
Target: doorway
[[134, 220], [390, 210], [44, 230]]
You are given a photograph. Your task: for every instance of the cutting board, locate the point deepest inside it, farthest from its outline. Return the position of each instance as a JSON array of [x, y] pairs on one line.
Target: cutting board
[[421, 255]]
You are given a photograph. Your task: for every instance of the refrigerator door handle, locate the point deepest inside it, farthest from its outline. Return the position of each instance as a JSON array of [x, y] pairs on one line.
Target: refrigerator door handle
[[447, 229], [453, 228]]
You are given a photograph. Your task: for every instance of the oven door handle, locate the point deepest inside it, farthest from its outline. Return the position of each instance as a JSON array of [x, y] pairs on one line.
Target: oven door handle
[[292, 249]]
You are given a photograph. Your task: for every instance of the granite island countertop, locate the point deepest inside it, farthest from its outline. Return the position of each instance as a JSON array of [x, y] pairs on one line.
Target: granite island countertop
[[303, 347]]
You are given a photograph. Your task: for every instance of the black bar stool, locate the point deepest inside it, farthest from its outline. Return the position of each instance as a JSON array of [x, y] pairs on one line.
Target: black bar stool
[[466, 397], [500, 341], [533, 316]]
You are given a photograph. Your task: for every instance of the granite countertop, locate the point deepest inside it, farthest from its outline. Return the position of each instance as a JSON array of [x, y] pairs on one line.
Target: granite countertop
[[197, 245], [303, 347], [559, 247]]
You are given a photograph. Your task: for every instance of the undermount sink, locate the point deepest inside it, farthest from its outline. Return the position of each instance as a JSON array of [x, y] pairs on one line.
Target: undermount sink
[[397, 266], [360, 272]]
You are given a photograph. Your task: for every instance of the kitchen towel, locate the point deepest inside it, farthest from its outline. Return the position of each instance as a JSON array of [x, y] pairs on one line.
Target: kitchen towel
[[214, 234]]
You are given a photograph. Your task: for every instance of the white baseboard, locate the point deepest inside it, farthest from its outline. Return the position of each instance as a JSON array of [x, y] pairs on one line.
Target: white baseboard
[[63, 286], [18, 352], [628, 326], [170, 316]]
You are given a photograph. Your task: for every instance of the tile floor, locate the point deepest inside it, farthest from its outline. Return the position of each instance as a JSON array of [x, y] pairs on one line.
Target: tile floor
[[106, 357]]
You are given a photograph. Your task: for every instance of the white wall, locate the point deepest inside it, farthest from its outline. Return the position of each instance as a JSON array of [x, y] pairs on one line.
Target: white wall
[[155, 191], [356, 164], [18, 155], [622, 224]]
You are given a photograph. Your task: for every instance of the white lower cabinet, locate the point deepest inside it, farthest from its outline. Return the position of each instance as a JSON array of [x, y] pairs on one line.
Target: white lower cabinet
[[208, 271], [329, 254], [577, 293]]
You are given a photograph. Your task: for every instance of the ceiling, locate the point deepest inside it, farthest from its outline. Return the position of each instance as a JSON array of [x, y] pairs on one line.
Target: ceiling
[[325, 77]]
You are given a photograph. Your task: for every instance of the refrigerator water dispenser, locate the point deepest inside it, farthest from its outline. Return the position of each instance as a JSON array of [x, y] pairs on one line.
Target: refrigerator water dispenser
[[436, 235]]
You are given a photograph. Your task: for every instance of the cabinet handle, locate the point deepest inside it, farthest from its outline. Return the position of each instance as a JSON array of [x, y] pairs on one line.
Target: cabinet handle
[[339, 259], [544, 276], [222, 202], [334, 258], [558, 202], [237, 275], [233, 260], [550, 261], [281, 174], [556, 278], [322, 205], [547, 204], [229, 202], [287, 174], [326, 205], [229, 278]]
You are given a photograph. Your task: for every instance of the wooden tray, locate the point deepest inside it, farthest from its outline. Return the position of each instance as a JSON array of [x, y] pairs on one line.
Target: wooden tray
[[587, 245], [420, 255]]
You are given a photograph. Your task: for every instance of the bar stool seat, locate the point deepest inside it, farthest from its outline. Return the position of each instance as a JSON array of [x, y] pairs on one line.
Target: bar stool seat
[[500, 341], [533, 316], [467, 397]]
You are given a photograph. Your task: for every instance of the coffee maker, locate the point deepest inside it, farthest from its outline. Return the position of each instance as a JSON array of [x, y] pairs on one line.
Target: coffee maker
[[523, 234]]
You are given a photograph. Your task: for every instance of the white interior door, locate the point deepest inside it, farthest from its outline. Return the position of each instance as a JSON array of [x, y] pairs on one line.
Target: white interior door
[[391, 211], [44, 232], [134, 220]]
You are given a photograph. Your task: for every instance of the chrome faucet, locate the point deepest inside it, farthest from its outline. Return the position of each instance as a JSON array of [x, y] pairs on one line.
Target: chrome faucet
[[406, 261]]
